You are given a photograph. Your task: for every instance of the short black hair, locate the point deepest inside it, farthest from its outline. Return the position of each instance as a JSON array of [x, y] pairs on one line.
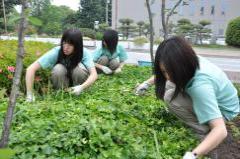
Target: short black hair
[[110, 37], [180, 62]]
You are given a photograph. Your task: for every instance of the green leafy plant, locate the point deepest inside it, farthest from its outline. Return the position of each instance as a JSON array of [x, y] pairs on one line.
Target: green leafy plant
[[88, 33], [233, 32], [106, 121], [6, 153]]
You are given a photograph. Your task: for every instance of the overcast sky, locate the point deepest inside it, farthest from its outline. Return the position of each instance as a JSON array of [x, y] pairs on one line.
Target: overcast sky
[[73, 4]]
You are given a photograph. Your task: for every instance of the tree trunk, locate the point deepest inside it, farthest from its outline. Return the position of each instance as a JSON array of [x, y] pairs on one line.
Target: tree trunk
[[151, 31], [164, 25], [16, 79], [4, 16]]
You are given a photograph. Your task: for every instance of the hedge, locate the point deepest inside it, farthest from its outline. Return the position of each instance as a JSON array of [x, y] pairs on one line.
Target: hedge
[[233, 32], [8, 51]]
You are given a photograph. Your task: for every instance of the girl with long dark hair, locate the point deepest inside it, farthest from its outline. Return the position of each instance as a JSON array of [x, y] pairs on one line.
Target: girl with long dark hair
[[110, 57], [197, 92], [71, 64]]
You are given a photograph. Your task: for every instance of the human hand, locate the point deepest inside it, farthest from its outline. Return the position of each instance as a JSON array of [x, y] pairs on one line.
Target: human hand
[[30, 97], [141, 89], [189, 155], [76, 90], [106, 70]]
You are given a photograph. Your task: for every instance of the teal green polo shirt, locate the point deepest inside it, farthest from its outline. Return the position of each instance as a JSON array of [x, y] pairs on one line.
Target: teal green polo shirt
[[212, 93], [49, 59], [120, 54]]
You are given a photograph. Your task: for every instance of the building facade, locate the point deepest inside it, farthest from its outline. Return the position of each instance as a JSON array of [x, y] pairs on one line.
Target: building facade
[[218, 12]]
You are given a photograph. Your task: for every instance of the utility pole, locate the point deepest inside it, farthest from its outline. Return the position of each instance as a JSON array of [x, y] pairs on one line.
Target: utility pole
[[107, 2], [4, 15]]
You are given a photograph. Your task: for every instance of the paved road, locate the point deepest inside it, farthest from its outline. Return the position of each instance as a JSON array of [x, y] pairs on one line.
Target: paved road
[[223, 62], [230, 65], [226, 63]]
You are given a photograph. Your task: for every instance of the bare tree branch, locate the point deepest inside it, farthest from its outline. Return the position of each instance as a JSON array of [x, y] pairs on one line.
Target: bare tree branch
[[172, 10]]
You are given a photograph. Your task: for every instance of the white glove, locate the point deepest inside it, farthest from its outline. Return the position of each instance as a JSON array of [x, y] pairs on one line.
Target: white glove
[[118, 70], [189, 155], [141, 89], [30, 97], [106, 70], [76, 90]]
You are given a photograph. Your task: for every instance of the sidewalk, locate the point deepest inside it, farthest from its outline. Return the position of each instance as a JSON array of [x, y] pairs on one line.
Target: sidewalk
[[227, 60], [226, 53], [209, 52]]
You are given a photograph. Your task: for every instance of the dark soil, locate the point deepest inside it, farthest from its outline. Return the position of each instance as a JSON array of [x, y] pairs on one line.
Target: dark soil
[[230, 148]]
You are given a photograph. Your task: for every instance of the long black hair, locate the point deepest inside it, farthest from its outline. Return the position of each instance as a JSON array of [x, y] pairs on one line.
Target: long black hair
[[180, 62], [110, 37], [73, 37]]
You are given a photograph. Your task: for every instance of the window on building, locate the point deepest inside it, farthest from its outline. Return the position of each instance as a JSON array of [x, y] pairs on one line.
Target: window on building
[[212, 10], [202, 11]]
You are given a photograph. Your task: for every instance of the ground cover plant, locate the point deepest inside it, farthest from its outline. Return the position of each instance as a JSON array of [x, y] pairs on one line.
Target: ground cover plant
[[106, 121]]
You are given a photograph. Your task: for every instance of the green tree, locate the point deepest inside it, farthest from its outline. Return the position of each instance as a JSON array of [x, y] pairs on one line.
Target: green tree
[[184, 28], [126, 27], [53, 19], [202, 31], [233, 32], [103, 27], [140, 25], [146, 29], [12, 18], [8, 8], [92, 10], [9, 4], [37, 7], [70, 21]]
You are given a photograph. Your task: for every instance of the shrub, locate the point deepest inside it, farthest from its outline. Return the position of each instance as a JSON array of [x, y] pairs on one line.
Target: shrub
[[139, 41], [8, 62], [233, 32], [158, 40], [99, 36], [88, 32]]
